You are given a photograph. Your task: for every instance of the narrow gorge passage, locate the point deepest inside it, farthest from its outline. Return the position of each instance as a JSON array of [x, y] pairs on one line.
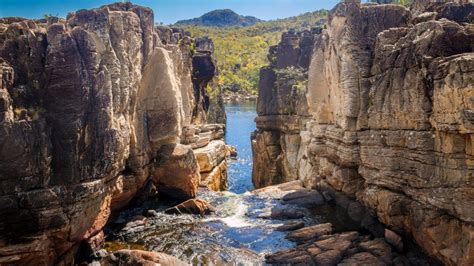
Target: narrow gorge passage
[[342, 136], [243, 228], [249, 227]]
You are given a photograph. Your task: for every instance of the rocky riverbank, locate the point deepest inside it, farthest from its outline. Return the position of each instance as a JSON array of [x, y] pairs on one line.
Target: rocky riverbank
[[283, 224], [97, 110], [384, 119]]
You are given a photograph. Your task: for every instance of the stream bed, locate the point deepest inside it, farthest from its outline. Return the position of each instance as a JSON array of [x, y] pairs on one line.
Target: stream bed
[[239, 233]]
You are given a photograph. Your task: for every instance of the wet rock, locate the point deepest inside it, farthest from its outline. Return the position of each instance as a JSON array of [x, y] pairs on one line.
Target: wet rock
[[193, 206], [305, 197], [330, 257], [310, 232], [333, 248], [231, 151], [101, 253], [148, 192], [379, 248], [394, 239], [283, 213], [136, 221], [176, 172], [362, 258], [151, 213], [279, 191], [291, 256], [217, 179], [290, 226], [140, 257]]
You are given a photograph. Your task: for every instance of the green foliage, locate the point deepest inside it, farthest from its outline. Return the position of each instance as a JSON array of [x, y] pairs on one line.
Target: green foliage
[[242, 51]]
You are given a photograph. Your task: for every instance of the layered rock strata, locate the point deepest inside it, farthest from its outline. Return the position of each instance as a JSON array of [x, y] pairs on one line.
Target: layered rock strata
[[282, 109], [390, 97], [333, 242], [92, 107], [211, 154]]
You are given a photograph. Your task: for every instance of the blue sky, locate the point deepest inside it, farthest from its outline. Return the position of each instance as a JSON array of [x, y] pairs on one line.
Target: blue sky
[[169, 11]]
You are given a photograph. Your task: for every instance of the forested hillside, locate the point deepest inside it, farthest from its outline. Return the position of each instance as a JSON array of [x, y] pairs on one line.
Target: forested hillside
[[242, 51]]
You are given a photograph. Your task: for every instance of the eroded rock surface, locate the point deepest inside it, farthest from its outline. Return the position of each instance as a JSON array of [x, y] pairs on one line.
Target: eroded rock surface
[[390, 98], [88, 106], [193, 206], [140, 257]]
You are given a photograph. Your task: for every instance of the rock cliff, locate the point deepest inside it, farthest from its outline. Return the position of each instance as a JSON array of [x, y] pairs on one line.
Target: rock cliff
[[92, 108], [388, 121]]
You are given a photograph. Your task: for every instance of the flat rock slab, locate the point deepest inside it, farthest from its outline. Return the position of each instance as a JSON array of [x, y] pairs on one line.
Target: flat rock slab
[[279, 191], [348, 248], [310, 232], [193, 206], [211, 155], [283, 213], [290, 226], [304, 197], [140, 257], [362, 258]]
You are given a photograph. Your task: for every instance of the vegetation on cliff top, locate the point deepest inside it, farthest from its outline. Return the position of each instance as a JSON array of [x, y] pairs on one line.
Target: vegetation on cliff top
[[242, 51]]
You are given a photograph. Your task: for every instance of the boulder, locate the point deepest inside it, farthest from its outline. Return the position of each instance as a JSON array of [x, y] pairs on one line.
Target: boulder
[[176, 172], [217, 179], [394, 239], [231, 151], [310, 232], [193, 206], [290, 226], [211, 155], [362, 258], [305, 198], [283, 213]]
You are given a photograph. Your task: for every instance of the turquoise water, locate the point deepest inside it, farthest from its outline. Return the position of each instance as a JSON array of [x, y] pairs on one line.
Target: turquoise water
[[240, 125]]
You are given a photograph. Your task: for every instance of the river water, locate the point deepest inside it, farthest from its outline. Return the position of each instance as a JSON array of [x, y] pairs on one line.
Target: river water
[[240, 125], [236, 234]]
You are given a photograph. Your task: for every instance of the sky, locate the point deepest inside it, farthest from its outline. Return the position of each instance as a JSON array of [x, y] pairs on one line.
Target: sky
[[169, 11]]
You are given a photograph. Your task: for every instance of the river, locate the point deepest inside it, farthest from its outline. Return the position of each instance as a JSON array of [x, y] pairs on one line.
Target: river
[[240, 125], [235, 234]]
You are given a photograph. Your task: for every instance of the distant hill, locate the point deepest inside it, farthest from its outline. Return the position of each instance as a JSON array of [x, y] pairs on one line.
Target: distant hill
[[220, 18], [242, 51]]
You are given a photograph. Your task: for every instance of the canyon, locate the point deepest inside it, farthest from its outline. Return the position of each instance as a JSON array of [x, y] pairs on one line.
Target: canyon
[[113, 152]]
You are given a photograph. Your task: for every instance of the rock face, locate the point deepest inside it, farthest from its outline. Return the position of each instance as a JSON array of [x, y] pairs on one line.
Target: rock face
[[390, 94], [210, 152], [89, 107], [194, 206], [176, 171], [282, 109]]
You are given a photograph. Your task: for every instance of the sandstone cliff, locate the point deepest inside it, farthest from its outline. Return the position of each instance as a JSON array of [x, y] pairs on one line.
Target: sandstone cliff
[[390, 97], [91, 108]]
